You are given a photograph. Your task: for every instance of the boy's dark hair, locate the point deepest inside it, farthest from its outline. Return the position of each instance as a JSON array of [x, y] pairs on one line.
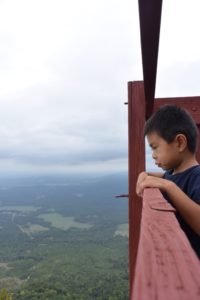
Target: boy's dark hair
[[170, 120]]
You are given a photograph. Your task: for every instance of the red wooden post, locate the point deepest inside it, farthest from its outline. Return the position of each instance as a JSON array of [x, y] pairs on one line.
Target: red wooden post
[[136, 119], [166, 267]]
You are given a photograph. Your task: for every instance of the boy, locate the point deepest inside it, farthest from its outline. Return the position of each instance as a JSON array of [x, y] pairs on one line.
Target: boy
[[172, 136]]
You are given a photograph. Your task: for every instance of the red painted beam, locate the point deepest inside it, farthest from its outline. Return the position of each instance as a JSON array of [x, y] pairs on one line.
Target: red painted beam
[[166, 266], [150, 19], [192, 104]]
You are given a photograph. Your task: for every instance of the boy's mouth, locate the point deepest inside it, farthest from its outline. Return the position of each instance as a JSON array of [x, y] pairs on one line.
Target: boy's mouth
[[159, 165]]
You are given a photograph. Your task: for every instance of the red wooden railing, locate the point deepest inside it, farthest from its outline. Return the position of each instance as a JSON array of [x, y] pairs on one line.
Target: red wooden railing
[[166, 266], [136, 120]]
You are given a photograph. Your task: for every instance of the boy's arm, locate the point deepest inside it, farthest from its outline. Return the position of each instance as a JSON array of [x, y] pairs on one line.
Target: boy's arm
[[189, 210]]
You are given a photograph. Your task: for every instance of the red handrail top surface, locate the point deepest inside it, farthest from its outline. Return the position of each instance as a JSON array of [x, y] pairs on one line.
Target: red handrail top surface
[[166, 265]]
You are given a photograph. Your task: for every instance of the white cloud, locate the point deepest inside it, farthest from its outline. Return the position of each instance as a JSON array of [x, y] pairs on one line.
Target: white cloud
[[64, 68], [179, 59]]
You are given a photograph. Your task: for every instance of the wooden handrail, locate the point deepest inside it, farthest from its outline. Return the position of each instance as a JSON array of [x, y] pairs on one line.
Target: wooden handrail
[[166, 268]]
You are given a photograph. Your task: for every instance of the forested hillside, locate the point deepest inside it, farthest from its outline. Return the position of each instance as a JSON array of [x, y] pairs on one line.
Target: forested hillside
[[64, 237]]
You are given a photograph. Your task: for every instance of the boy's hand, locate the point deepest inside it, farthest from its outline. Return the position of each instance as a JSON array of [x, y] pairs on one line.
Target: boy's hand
[[148, 181], [142, 176]]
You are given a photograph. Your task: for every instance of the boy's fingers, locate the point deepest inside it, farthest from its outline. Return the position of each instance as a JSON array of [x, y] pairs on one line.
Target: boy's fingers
[[139, 190]]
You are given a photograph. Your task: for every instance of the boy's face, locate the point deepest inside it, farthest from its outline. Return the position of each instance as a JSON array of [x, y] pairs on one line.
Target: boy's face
[[166, 156]]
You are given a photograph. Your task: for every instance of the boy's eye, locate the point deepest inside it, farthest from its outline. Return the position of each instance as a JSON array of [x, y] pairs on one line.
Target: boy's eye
[[154, 149]]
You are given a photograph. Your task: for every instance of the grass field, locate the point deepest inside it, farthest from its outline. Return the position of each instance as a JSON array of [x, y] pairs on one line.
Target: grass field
[[31, 229], [122, 230], [64, 223], [19, 208]]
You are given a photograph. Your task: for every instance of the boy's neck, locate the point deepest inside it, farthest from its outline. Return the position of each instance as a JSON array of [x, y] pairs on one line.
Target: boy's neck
[[187, 162]]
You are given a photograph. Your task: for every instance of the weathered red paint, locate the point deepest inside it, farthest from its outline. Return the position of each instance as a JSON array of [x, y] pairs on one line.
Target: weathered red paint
[[136, 119], [166, 267]]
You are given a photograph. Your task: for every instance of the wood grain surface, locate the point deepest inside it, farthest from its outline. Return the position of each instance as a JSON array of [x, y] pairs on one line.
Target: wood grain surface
[[167, 268]]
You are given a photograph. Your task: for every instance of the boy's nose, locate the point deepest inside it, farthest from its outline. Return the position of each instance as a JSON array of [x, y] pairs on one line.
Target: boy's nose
[[153, 155]]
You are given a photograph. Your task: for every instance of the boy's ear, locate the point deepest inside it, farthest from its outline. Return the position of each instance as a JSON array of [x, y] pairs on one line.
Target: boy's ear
[[181, 141]]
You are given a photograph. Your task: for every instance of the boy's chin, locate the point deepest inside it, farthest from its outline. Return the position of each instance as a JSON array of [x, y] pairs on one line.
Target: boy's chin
[[164, 168]]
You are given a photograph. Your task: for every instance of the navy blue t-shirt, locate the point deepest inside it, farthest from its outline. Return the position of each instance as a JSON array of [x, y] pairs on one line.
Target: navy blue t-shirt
[[189, 182]]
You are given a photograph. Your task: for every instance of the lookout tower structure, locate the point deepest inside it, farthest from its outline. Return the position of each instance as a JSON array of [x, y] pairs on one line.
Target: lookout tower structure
[[155, 274]]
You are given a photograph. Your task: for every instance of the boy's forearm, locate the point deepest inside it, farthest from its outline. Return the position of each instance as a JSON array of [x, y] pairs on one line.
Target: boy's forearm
[[188, 209]]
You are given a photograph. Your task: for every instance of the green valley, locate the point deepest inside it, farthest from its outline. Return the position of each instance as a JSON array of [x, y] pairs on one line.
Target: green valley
[[56, 244]]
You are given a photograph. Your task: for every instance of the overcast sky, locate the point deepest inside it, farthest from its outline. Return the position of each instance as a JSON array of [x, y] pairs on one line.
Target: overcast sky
[[64, 68]]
